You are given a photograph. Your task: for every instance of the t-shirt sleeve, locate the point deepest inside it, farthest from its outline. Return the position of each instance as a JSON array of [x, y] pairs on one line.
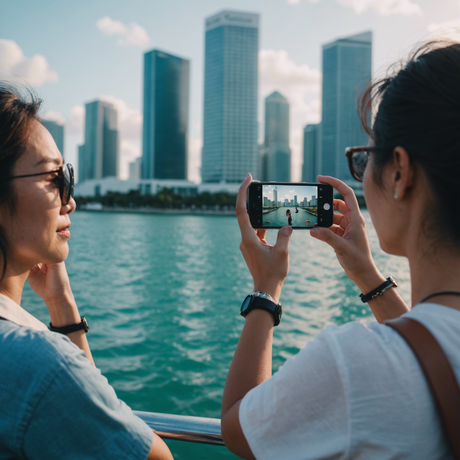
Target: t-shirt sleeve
[[80, 416], [301, 411]]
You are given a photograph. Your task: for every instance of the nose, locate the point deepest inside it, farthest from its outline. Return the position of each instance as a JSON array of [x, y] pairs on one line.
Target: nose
[[69, 208]]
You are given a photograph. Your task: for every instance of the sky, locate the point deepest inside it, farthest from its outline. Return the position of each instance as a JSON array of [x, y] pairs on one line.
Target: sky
[[72, 53]]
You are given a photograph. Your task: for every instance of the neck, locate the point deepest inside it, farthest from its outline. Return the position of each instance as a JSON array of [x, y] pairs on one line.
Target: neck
[[13, 285], [436, 270]]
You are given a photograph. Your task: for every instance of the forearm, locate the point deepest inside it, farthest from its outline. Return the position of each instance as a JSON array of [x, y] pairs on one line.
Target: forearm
[[390, 305], [65, 313], [252, 362]]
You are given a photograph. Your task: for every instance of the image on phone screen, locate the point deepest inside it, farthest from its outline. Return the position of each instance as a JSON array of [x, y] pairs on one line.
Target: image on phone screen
[[295, 205]]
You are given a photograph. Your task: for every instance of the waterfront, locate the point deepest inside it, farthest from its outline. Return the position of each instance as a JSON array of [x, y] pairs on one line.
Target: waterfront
[[278, 218], [162, 295]]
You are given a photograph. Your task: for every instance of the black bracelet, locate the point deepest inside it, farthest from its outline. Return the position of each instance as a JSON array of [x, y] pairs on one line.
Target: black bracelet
[[389, 283], [72, 328]]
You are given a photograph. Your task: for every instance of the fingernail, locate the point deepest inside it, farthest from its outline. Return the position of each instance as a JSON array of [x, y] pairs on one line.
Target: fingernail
[[314, 232], [247, 177]]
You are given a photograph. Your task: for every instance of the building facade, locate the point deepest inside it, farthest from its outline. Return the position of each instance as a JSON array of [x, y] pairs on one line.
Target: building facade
[[98, 156], [311, 152], [277, 154], [346, 69], [230, 147], [57, 131], [166, 116]]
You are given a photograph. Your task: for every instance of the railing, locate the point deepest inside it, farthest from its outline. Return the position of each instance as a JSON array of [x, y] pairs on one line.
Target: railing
[[184, 428]]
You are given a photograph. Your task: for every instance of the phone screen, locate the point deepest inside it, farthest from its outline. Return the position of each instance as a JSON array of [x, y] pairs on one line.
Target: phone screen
[[292, 204]]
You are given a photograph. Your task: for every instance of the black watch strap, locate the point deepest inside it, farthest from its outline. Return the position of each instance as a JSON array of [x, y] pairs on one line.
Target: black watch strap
[[253, 302], [389, 283], [72, 328]]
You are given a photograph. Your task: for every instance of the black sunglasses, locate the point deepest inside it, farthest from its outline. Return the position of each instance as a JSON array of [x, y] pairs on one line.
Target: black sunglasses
[[358, 158], [64, 179]]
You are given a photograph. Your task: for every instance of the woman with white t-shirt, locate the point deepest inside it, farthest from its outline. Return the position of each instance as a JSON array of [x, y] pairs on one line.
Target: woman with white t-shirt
[[357, 391]]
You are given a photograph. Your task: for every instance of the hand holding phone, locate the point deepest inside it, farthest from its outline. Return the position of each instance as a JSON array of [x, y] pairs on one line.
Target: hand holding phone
[[269, 265], [300, 205]]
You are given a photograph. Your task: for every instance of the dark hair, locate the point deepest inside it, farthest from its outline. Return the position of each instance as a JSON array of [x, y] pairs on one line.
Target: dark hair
[[18, 108], [418, 108], [287, 211]]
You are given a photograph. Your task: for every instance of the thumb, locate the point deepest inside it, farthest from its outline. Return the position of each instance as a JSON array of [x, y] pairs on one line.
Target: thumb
[[284, 235], [328, 236]]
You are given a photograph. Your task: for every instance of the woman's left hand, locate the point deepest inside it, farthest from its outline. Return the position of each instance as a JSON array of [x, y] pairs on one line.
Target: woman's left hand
[[51, 283], [269, 265]]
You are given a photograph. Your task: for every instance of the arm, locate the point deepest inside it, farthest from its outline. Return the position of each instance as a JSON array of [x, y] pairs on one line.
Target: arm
[[51, 283], [159, 450], [252, 362], [348, 238]]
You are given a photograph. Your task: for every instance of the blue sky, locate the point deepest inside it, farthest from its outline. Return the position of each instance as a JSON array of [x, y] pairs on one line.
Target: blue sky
[[75, 52]]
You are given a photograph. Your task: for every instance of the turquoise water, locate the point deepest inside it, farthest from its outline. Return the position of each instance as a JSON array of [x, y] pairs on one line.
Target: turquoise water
[[162, 296]]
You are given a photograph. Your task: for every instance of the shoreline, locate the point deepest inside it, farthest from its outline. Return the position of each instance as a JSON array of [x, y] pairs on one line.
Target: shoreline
[[190, 212]]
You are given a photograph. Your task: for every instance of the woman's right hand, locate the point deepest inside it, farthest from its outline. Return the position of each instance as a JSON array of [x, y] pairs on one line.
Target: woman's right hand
[[348, 236]]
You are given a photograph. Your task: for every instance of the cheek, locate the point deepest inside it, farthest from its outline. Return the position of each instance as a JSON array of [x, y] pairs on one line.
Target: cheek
[[34, 224]]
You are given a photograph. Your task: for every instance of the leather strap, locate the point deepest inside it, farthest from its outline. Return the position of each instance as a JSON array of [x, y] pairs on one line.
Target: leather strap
[[439, 374]]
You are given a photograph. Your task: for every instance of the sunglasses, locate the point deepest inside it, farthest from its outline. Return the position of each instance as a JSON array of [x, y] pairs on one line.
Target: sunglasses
[[358, 158], [64, 179]]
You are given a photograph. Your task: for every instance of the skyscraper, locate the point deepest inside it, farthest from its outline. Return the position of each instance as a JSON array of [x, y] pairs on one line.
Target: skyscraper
[[57, 131], [230, 148], [166, 115], [275, 196], [346, 69], [311, 152], [277, 160], [98, 157]]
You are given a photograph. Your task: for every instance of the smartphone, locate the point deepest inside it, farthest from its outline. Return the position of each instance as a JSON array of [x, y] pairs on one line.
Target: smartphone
[[301, 205]]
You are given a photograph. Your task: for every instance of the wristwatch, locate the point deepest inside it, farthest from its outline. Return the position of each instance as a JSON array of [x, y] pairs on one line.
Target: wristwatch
[[389, 283], [72, 328], [262, 301]]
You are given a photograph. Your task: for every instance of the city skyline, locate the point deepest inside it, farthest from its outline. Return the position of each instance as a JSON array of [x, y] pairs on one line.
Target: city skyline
[[289, 192], [105, 62]]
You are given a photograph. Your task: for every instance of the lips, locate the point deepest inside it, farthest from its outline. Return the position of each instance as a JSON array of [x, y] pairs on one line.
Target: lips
[[64, 231]]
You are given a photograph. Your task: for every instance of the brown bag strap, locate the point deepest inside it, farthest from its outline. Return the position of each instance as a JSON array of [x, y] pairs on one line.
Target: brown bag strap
[[439, 374]]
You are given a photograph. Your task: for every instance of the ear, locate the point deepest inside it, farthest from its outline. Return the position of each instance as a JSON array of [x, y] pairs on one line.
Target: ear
[[403, 172]]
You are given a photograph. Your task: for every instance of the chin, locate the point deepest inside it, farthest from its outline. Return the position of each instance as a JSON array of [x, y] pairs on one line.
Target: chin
[[391, 249]]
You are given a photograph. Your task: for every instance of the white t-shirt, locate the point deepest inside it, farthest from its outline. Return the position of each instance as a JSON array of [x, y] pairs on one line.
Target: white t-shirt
[[354, 392]]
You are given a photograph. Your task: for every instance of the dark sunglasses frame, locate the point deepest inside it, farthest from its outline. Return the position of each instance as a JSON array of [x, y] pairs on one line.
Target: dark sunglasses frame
[[65, 181], [349, 151]]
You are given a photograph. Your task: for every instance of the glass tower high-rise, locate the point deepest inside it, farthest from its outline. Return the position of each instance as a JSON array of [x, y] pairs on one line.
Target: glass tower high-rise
[[98, 157], [166, 115], [230, 147], [346, 69], [311, 152], [276, 162], [57, 131]]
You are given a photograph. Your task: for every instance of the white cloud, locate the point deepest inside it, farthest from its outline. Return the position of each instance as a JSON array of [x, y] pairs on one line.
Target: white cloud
[[301, 85], [76, 122], [382, 7], [13, 63], [129, 120], [129, 151], [131, 34], [194, 159], [54, 116], [446, 30]]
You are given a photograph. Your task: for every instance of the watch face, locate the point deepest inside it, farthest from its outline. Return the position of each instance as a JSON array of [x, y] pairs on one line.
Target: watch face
[[246, 303]]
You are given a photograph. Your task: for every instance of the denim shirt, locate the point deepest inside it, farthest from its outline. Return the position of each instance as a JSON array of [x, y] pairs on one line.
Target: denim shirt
[[54, 404]]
